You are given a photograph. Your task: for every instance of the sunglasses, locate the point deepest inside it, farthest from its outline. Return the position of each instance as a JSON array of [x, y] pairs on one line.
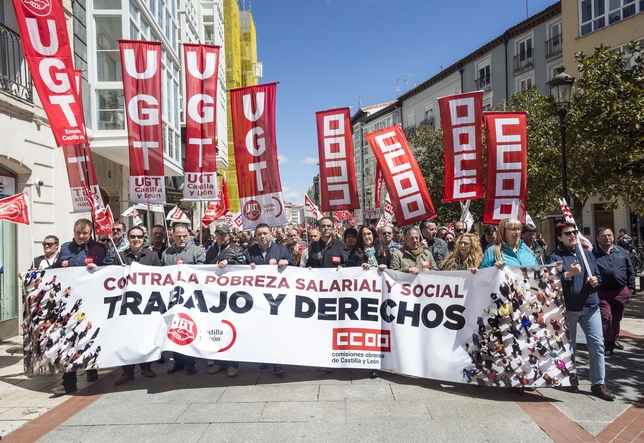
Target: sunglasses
[[117, 229], [387, 233], [137, 236], [48, 245], [570, 233], [157, 234], [104, 240]]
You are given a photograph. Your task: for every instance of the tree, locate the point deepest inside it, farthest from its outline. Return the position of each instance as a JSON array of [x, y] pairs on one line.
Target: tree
[[606, 127]]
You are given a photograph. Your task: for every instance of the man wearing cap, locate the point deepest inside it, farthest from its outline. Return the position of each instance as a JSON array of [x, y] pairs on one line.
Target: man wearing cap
[[529, 236], [223, 253], [182, 252]]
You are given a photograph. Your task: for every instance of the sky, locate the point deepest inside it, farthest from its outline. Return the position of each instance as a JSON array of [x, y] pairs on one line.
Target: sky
[[339, 53]]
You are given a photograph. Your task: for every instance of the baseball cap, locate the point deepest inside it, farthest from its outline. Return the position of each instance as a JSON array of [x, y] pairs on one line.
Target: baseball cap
[[223, 228]]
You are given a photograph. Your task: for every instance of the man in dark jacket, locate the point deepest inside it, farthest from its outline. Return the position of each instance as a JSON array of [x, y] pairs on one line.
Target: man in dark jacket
[[136, 253], [50, 246], [223, 253], [267, 252], [582, 302], [81, 251], [618, 283], [327, 252]]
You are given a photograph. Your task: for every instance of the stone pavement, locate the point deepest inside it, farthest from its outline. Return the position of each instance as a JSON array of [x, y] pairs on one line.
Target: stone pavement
[[306, 405]]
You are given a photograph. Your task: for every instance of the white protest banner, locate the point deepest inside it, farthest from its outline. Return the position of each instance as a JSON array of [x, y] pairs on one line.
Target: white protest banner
[[454, 326]]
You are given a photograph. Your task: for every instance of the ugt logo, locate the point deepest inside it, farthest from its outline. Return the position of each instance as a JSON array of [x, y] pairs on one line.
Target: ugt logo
[[183, 329]]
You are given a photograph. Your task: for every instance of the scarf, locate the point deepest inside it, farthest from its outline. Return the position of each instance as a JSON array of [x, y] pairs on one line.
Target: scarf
[[370, 252]]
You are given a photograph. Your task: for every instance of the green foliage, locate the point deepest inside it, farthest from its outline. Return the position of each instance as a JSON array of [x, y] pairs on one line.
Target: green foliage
[[606, 126]]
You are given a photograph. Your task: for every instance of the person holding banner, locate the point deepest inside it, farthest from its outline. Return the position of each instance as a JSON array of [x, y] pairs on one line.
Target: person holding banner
[[83, 250], [580, 278], [268, 252], [328, 251], [369, 251], [467, 255], [182, 252], [508, 247], [222, 253], [412, 257], [136, 253]]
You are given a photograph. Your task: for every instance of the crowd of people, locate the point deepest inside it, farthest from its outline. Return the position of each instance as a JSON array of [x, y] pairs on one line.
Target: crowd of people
[[596, 283]]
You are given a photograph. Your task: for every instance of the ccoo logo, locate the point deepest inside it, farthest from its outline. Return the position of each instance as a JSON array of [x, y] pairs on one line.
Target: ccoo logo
[[183, 329]]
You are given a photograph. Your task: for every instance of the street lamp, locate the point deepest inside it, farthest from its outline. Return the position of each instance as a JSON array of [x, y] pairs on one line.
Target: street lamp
[[560, 90]]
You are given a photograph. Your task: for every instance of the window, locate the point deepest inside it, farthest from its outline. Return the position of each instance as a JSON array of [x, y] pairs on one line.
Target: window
[[596, 14], [525, 84], [524, 55], [107, 4], [483, 77], [109, 109], [524, 49], [554, 42], [108, 58]]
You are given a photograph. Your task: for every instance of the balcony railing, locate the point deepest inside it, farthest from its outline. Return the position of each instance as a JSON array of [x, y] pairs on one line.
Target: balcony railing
[[554, 46], [524, 61], [409, 131], [429, 121], [483, 83], [15, 77]]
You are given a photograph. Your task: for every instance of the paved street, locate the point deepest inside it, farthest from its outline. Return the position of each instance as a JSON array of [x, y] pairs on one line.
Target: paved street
[[307, 405]]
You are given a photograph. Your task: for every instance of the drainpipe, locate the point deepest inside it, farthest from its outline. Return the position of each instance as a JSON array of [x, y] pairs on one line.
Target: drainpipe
[[506, 39]]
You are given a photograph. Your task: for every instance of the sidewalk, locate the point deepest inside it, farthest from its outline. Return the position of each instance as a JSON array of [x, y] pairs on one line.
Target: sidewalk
[[306, 405]]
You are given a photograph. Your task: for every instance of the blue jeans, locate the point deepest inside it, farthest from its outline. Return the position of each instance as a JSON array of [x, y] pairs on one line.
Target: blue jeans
[[591, 323]]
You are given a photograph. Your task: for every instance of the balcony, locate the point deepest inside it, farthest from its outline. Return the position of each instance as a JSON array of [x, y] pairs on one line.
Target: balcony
[[524, 61], [15, 77], [427, 122], [484, 83], [554, 46], [409, 131]]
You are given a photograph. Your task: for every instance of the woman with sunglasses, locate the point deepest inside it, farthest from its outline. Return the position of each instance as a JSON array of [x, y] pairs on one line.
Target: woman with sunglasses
[[582, 302], [136, 253], [467, 255], [508, 247]]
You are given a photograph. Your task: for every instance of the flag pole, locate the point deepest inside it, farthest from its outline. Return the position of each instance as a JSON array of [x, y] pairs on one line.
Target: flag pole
[[31, 228]]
